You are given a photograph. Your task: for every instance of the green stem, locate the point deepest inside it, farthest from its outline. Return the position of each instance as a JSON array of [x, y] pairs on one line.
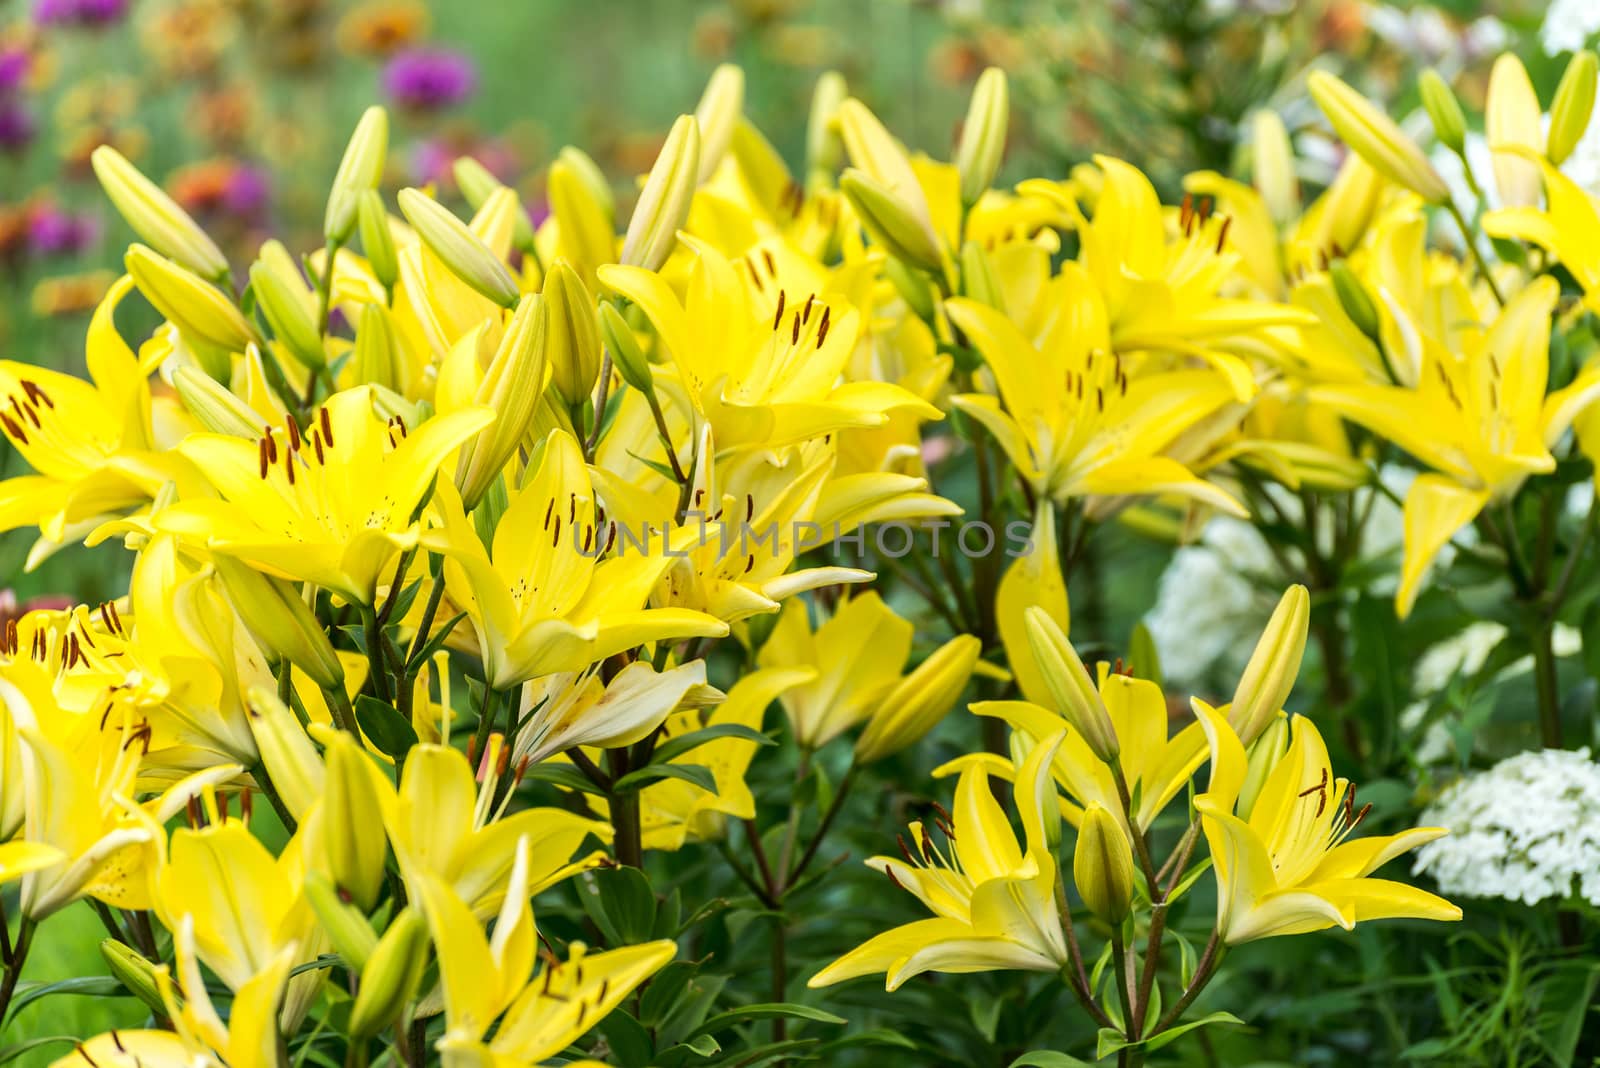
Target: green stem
[[839, 795], [344, 714], [624, 815], [1209, 958], [1472, 248], [13, 968], [1545, 685]]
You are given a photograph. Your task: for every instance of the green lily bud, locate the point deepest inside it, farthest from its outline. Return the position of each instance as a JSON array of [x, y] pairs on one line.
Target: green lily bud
[[1273, 667], [376, 362], [664, 204], [585, 168], [458, 248], [214, 405], [572, 337], [1444, 111], [824, 146], [349, 802], [1376, 138], [377, 240], [199, 310], [584, 221], [392, 975], [478, 185], [156, 217], [511, 386], [891, 222], [1273, 166], [983, 137], [1102, 865], [1572, 107], [626, 355], [918, 701], [361, 169], [1354, 299], [1070, 685], [287, 303], [719, 111], [280, 620], [977, 277], [288, 755], [134, 972], [913, 286], [1264, 756], [346, 926]]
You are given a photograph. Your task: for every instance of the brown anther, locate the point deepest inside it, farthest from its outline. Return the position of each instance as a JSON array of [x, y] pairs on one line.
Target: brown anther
[[549, 510], [822, 326], [805, 316], [29, 410], [772, 267], [750, 563], [522, 769], [472, 750], [555, 538], [36, 393], [246, 804], [889, 871], [272, 444], [1186, 212], [116, 1040], [794, 333], [294, 433], [1320, 789], [116, 619], [261, 455], [327, 425], [13, 429], [905, 850], [749, 507], [316, 442], [1099, 399], [1222, 234], [288, 468], [503, 762], [777, 316], [85, 1055]]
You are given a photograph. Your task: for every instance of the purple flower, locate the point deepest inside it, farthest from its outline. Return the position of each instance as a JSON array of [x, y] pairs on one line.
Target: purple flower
[[53, 232], [16, 127], [79, 12], [429, 79], [13, 68], [247, 191]]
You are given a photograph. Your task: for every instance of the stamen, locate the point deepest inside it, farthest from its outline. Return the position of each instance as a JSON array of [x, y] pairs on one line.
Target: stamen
[[777, 316], [822, 326], [327, 425]]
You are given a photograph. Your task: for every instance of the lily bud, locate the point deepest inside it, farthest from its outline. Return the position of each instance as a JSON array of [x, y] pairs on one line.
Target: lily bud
[[197, 308], [891, 222], [664, 203], [983, 136], [361, 169], [346, 926], [1272, 169], [1444, 111], [572, 334], [583, 166], [913, 286], [286, 750], [824, 146], [626, 355], [350, 803], [1264, 756], [718, 113], [920, 700], [1572, 107], [458, 248], [377, 240], [136, 974], [1102, 865], [214, 405], [1355, 300], [477, 184], [1376, 138], [1511, 121], [392, 975], [875, 152], [286, 302], [1070, 685], [1271, 672], [156, 217], [977, 277], [583, 221], [511, 386], [375, 361], [280, 620]]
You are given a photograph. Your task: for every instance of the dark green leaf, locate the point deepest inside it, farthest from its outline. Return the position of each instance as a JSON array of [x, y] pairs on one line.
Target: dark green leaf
[[621, 903], [11, 1053], [94, 986], [683, 743], [766, 1011], [1110, 1041], [563, 775], [694, 774], [1046, 1058], [435, 641]]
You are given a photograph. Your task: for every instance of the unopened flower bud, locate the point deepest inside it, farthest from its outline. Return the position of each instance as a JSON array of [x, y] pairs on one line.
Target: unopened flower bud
[[347, 928], [1512, 122], [377, 239], [376, 361], [1272, 166], [626, 355], [920, 700], [719, 111], [350, 802], [983, 137], [1572, 107], [914, 288], [214, 405], [287, 753], [572, 334], [136, 974], [874, 151], [361, 169], [1273, 667], [156, 217], [1376, 138], [477, 184], [280, 620], [583, 221], [824, 145], [1444, 111], [977, 277], [1354, 299], [1264, 756], [1070, 686], [583, 167], [458, 248], [664, 203], [392, 975], [1102, 865], [511, 386], [199, 310], [288, 305], [891, 222]]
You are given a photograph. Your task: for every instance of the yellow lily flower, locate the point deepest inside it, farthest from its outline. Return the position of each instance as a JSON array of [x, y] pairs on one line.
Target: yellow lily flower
[[331, 505], [855, 657], [561, 712], [762, 367], [1078, 419], [94, 447], [199, 1036], [1286, 865], [994, 897], [1478, 416], [1568, 228], [540, 599]]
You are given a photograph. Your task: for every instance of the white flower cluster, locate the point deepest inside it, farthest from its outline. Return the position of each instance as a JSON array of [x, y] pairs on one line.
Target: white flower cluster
[[1527, 830]]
